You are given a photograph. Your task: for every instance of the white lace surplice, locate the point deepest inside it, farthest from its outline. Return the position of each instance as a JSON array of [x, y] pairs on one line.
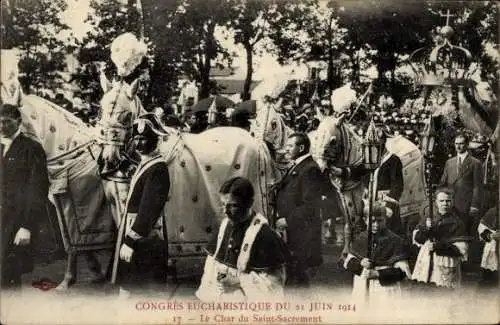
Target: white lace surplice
[[377, 292], [445, 270], [489, 261], [248, 286]]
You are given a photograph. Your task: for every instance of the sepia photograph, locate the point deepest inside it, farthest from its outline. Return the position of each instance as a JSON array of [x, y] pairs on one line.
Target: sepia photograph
[[249, 162]]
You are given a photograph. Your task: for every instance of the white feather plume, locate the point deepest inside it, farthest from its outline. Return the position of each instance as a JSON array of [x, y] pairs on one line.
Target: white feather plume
[[127, 53], [342, 98]]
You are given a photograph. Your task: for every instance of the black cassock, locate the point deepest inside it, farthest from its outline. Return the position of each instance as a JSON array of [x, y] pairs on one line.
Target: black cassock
[[387, 248], [147, 197]]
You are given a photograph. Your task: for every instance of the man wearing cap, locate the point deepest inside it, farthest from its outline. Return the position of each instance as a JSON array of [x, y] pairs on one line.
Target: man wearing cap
[[388, 184], [246, 258], [198, 122], [240, 117], [24, 186], [141, 250]]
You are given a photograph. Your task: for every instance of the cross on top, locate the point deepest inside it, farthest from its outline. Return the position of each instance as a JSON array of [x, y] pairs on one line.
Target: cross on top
[[447, 15]]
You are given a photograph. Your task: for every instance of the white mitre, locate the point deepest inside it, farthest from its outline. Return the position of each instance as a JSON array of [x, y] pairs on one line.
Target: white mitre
[[127, 53], [342, 98]]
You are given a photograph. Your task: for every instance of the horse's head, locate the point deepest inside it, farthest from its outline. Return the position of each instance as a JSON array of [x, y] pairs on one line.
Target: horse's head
[[119, 108], [333, 144], [270, 126]]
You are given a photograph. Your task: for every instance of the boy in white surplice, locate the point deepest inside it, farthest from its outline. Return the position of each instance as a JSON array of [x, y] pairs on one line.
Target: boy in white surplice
[[488, 232], [381, 275]]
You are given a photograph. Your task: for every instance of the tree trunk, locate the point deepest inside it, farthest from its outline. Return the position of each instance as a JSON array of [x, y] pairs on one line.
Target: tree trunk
[[330, 74], [331, 77], [248, 79], [205, 71], [355, 70], [28, 79]]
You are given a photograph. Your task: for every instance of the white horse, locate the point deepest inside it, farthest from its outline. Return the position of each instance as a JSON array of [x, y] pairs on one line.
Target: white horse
[[338, 145], [90, 208]]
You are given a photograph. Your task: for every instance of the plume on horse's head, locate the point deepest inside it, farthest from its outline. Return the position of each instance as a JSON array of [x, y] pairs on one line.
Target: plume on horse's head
[[11, 91], [119, 100], [270, 126]]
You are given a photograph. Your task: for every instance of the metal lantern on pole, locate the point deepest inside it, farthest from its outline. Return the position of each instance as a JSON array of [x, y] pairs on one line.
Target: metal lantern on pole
[[372, 155], [428, 143], [372, 147]]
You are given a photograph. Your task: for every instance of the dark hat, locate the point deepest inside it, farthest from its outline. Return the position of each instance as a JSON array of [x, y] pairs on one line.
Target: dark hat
[[148, 125], [173, 120], [10, 111], [245, 109]]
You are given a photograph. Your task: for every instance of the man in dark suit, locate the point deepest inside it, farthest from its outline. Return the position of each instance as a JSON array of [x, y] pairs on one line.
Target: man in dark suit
[[24, 186], [298, 207], [462, 174]]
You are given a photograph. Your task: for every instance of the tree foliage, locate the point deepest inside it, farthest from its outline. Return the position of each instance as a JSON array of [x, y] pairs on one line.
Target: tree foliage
[[195, 45], [385, 30], [291, 29], [109, 18], [250, 27], [31, 26]]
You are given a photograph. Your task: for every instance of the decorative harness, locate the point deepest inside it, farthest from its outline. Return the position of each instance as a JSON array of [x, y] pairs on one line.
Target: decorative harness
[[112, 132]]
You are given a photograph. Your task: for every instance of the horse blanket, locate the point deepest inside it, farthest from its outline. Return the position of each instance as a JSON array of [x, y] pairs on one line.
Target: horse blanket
[[84, 214], [413, 195]]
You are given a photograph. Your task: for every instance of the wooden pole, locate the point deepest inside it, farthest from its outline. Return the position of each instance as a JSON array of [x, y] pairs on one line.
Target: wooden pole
[[369, 228]]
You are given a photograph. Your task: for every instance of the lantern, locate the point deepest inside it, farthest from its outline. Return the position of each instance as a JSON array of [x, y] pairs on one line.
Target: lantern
[[372, 147], [429, 138]]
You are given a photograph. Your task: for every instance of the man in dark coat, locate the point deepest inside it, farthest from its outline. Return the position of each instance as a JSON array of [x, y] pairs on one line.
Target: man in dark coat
[[388, 184], [240, 117], [199, 122], [299, 200], [142, 246], [462, 174], [24, 185]]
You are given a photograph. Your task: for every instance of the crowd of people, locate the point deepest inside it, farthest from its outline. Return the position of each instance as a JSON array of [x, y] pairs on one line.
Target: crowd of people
[[248, 250], [254, 256]]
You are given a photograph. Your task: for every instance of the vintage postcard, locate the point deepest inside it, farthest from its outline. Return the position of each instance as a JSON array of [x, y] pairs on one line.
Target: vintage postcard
[[249, 162]]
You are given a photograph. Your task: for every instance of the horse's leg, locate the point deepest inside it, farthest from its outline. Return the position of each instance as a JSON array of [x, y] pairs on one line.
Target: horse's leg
[[71, 271], [94, 266]]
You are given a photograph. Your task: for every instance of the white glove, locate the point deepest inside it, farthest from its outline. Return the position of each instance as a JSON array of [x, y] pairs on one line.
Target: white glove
[[126, 253], [23, 237]]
